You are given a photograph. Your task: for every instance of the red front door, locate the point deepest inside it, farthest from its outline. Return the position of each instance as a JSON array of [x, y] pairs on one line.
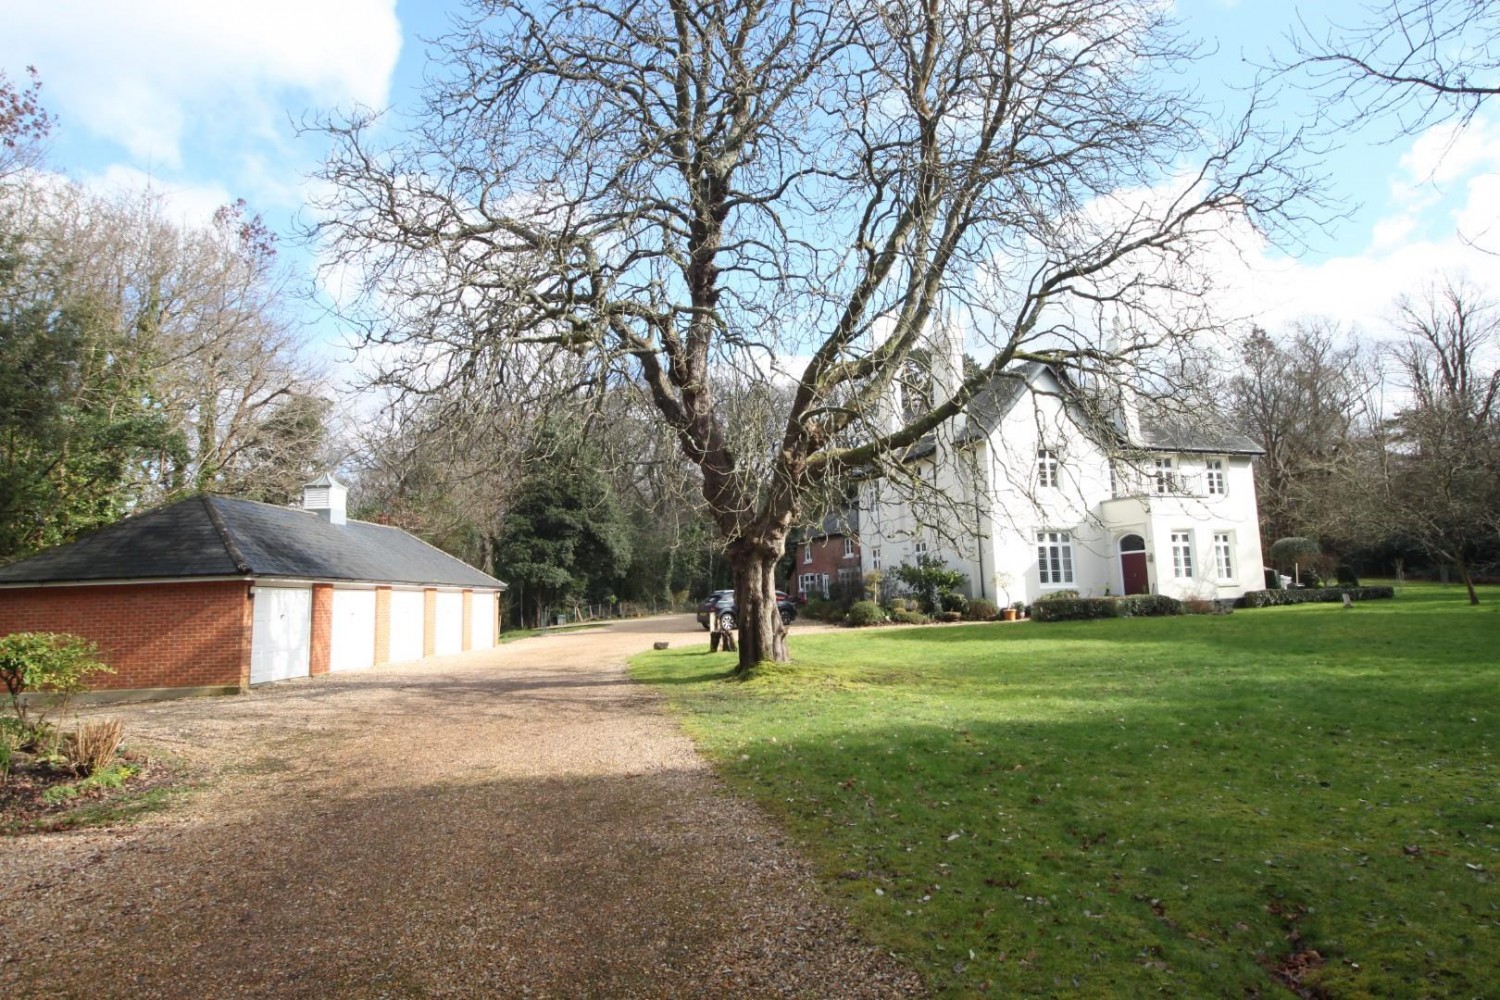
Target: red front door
[[1133, 569]]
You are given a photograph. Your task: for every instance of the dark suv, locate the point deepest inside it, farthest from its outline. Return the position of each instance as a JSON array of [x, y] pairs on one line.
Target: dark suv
[[723, 602]]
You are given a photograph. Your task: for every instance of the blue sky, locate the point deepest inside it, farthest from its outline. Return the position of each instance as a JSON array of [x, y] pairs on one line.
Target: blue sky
[[200, 100]]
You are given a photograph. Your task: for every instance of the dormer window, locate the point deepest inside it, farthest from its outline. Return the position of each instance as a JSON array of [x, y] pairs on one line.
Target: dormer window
[[1046, 467]]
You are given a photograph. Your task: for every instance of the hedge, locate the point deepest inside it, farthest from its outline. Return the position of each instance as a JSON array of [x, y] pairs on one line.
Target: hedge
[[1062, 609], [1272, 598]]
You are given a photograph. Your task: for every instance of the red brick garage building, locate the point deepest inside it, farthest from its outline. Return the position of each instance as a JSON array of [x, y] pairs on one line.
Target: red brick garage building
[[213, 594]]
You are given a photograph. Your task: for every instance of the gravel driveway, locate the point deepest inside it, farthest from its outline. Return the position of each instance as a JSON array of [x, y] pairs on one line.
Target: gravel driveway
[[518, 822]]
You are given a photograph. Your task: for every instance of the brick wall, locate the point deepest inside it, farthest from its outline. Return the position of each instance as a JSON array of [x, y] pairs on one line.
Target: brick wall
[[827, 557], [154, 635], [320, 646]]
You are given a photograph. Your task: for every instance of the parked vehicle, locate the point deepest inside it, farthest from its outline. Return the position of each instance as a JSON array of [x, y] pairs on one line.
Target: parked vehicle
[[723, 602], [710, 602]]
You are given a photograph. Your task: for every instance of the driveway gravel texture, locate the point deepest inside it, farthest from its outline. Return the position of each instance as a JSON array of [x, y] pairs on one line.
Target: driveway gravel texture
[[515, 822]]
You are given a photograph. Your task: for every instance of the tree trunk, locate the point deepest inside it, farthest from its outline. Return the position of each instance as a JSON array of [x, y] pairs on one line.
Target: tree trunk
[[1463, 574], [762, 632]]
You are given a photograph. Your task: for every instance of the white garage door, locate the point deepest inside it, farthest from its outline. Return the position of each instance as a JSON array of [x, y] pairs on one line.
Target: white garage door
[[482, 621], [353, 638], [406, 625], [280, 633], [450, 623]]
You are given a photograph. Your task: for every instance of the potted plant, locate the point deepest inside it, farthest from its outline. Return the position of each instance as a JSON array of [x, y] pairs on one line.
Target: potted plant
[[1023, 610], [1010, 613]]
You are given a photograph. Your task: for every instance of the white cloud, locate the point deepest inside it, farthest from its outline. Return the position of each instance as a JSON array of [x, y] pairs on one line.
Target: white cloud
[[150, 74]]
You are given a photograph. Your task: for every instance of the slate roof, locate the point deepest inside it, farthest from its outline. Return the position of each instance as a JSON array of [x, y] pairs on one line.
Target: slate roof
[[219, 536], [1200, 432]]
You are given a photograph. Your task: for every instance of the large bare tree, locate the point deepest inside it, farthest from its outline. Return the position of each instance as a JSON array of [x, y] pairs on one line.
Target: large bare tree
[[710, 193]]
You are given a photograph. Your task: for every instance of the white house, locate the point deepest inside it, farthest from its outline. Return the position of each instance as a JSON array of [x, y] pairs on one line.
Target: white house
[[1035, 490]]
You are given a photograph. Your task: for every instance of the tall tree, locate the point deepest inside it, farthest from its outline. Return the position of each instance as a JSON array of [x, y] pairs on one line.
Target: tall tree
[[1305, 397], [1440, 482], [78, 421], [705, 193], [564, 536], [24, 123]]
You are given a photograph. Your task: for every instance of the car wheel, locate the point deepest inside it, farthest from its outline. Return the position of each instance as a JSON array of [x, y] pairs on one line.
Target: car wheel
[[787, 617], [727, 620]]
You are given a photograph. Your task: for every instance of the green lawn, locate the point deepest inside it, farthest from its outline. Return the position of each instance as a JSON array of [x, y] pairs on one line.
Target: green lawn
[[1190, 806]]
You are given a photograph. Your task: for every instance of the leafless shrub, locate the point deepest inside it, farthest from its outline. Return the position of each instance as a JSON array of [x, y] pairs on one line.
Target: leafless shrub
[[94, 744]]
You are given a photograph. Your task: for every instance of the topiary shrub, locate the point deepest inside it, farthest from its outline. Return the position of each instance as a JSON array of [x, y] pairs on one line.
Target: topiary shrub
[[905, 617], [865, 613], [1346, 576], [1147, 605], [981, 610], [1068, 594]]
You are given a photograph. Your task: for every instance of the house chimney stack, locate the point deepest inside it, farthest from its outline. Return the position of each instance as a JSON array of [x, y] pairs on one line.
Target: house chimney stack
[[328, 497]]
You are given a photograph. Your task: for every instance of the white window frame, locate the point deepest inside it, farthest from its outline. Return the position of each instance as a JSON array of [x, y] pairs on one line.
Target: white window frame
[[848, 547], [1164, 482], [918, 549], [1215, 482], [807, 583], [875, 558], [1224, 554], [1046, 468], [806, 553], [1054, 558], [1182, 554]]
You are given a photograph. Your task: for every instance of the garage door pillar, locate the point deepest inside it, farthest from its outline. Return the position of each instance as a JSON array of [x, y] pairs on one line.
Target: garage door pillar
[[322, 628], [468, 639], [429, 621], [382, 624]]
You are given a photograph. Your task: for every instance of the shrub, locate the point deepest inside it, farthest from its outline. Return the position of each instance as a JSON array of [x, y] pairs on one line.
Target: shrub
[[1060, 595], [1147, 606], [955, 602], [1199, 606], [1274, 598], [1346, 576], [52, 663], [1061, 609], [93, 745], [949, 616], [1308, 578], [864, 613], [930, 578], [820, 609], [906, 617], [981, 610], [1055, 609]]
